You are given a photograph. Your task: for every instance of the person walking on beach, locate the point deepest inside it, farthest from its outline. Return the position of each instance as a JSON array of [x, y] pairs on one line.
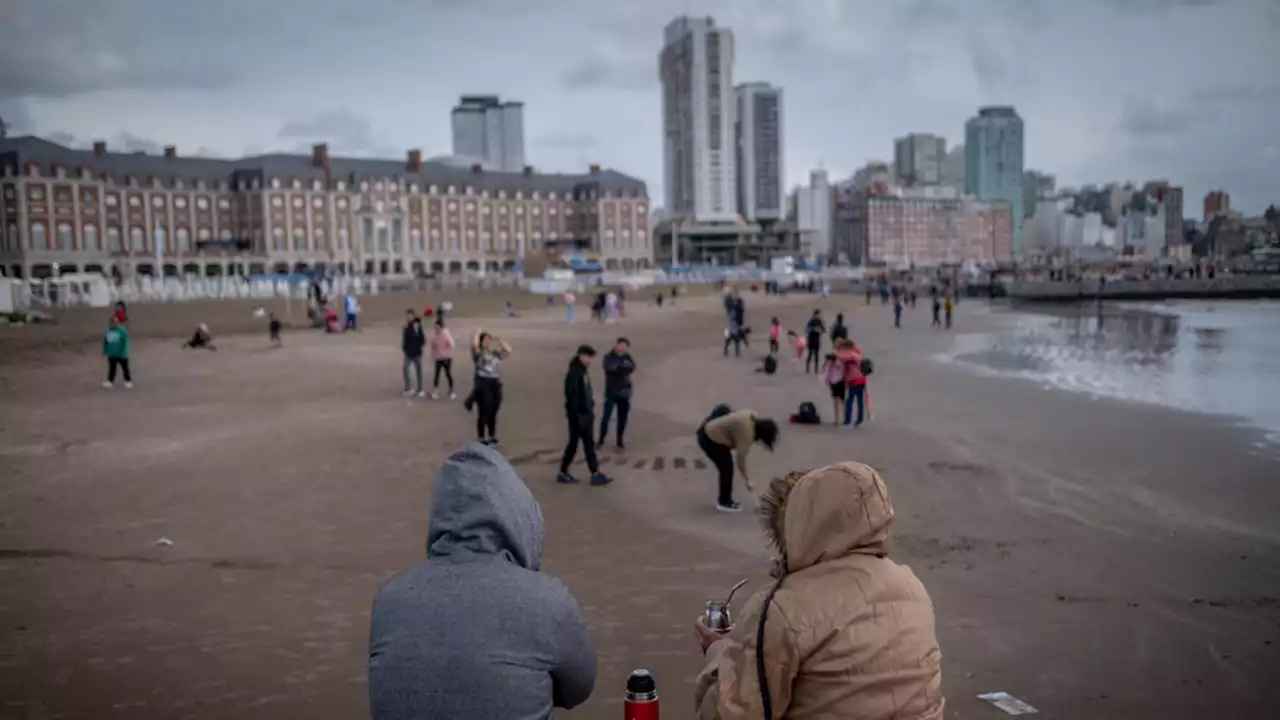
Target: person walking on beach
[[775, 330], [115, 348], [814, 330], [273, 331], [442, 354], [937, 310], [569, 300], [579, 407], [488, 351], [442, 641], [838, 330], [412, 340], [726, 438], [897, 310], [870, 292], [844, 632], [618, 367], [950, 306], [352, 306]]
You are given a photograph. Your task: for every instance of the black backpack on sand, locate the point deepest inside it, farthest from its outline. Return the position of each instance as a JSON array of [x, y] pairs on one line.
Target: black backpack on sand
[[807, 414], [770, 365]]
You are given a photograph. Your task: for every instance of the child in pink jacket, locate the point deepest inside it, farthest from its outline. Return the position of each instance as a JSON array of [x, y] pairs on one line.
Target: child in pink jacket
[[442, 345]]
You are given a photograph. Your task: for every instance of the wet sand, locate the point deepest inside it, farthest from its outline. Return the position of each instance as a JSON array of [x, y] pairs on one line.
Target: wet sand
[[1094, 558]]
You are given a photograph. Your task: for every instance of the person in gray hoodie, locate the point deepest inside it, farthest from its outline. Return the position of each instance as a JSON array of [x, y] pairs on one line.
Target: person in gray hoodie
[[476, 631]]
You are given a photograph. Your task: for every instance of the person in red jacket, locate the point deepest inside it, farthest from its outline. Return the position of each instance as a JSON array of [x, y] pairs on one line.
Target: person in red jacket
[[848, 353]]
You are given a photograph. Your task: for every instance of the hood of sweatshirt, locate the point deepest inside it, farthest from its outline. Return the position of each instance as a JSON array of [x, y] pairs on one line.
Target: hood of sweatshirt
[[483, 511]]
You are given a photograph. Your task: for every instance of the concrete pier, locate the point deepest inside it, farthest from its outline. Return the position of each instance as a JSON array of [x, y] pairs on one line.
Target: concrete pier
[[1231, 287]]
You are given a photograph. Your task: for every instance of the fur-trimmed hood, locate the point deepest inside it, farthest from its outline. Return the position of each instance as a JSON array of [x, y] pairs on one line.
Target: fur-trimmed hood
[[823, 514]]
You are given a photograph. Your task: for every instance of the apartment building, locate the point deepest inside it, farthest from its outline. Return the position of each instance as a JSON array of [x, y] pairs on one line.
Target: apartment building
[[918, 159], [695, 67], [488, 129], [907, 229], [63, 210], [759, 142]]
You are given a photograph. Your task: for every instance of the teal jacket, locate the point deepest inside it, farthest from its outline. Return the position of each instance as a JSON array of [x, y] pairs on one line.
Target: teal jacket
[[115, 343]]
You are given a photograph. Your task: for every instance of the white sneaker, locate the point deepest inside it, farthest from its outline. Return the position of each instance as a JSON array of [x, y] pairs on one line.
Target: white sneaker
[[408, 393], [106, 385], [434, 396], [421, 394], [128, 386], [732, 507], [453, 396]]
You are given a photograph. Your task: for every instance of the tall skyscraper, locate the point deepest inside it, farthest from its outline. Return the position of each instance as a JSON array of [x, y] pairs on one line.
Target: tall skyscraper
[[813, 214], [1216, 202], [759, 156], [919, 158], [1036, 186], [696, 70], [488, 129], [993, 145]]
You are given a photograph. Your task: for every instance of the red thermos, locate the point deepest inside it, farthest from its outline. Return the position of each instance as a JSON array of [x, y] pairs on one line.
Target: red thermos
[[642, 697]]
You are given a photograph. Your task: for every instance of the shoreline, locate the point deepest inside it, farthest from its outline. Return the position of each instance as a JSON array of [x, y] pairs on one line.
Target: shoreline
[[966, 354]]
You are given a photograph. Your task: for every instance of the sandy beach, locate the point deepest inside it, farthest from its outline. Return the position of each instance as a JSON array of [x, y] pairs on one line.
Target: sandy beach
[[1096, 559]]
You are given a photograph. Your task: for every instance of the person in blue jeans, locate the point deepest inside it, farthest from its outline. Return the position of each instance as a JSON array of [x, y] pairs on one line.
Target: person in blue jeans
[[850, 356], [618, 366]]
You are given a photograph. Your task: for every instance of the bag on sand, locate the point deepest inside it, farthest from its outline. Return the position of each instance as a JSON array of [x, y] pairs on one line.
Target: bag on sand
[[806, 414], [770, 365]]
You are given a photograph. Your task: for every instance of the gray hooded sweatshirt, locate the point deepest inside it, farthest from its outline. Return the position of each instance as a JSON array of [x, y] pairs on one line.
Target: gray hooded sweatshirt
[[476, 631]]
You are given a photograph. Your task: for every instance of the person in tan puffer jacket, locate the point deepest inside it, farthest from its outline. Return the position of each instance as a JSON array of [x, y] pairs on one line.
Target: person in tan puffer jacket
[[848, 633]]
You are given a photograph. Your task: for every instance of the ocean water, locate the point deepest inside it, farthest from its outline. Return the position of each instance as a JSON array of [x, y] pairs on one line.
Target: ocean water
[[1219, 357]]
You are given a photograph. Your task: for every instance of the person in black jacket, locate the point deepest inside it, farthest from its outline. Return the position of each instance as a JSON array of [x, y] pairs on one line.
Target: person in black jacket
[[412, 340], [813, 340], [579, 407], [618, 367]]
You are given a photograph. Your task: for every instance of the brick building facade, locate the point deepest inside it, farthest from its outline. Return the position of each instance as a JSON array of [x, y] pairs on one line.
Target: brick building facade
[[65, 210]]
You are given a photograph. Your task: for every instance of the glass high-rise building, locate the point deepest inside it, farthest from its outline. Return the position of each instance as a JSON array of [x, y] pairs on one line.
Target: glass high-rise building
[[993, 167]]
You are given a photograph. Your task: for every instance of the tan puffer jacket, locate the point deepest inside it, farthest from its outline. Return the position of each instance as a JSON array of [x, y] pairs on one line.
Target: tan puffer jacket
[[849, 633]]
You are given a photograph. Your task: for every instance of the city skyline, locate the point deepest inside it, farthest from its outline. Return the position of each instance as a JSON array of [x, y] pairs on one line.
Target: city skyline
[[1126, 103]]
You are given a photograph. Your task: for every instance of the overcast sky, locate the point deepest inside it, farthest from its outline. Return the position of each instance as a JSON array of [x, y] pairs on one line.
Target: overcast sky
[[1110, 90]]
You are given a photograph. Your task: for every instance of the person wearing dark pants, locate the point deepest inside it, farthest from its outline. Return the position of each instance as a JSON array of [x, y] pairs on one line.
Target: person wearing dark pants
[[488, 352], [442, 352], [813, 341], [733, 335], [618, 367], [115, 346], [579, 407], [726, 439], [412, 340]]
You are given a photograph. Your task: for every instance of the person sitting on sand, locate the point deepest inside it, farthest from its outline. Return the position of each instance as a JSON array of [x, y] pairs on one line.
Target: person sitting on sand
[[444, 641], [844, 632], [201, 339]]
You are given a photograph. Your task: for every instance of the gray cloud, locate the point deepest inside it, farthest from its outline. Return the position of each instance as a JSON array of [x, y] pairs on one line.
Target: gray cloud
[[17, 118], [1142, 118], [65, 139], [596, 71], [53, 48], [568, 140], [128, 142], [342, 129]]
